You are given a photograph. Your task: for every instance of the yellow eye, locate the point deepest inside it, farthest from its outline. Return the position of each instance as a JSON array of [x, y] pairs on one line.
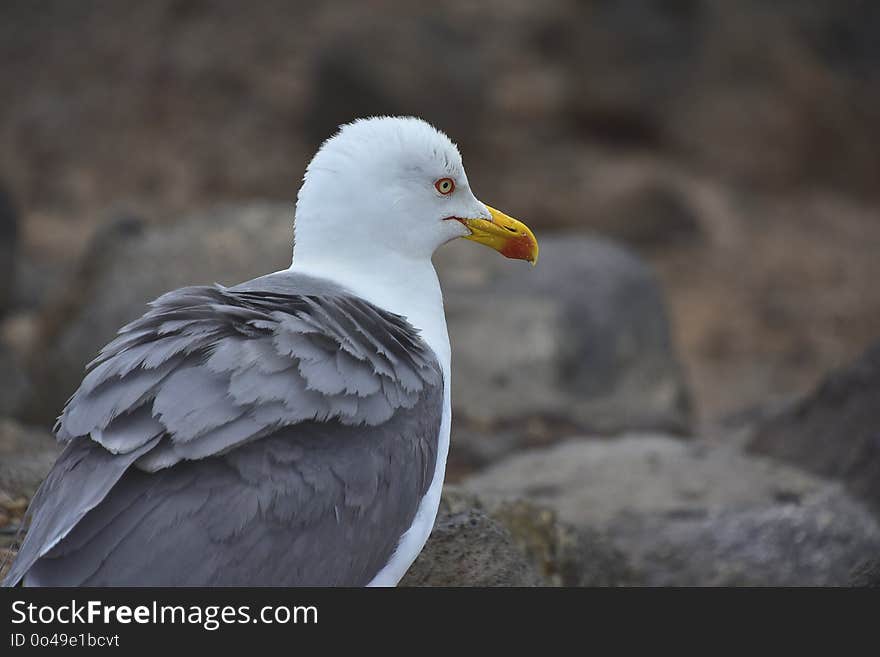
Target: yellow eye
[[445, 185]]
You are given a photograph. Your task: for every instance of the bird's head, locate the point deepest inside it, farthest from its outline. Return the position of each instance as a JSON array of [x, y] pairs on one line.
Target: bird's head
[[394, 186]]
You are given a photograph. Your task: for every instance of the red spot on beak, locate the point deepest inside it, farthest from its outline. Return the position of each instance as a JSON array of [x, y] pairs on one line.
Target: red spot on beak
[[519, 248]]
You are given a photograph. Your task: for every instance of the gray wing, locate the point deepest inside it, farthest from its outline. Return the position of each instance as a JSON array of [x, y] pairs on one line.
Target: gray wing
[[278, 432]]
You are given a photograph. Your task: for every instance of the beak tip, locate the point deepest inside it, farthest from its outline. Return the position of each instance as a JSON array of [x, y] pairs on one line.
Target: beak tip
[[510, 237]]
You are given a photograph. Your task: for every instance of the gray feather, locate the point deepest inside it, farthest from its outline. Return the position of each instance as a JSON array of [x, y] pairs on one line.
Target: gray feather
[[80, 480], [88, 411], [129, 431], [266, 422], [194, 400], [360, 379]]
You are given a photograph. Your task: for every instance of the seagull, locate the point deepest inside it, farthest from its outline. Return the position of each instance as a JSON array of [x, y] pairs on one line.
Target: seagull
[[291, 430]]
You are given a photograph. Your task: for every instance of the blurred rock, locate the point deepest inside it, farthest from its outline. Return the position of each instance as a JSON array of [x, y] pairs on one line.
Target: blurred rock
[[512, 543], [816, 542], [468, 548], [129, 264], [563, 554], [420, 66], [649, 209], [772, 108], [810, 90], [775, 95], [835, 430], [582, 341], [630, 63], [694, 513], [8, 247], [590, 482], [866, 574], [7, 556], [14, 386], [26, 455]]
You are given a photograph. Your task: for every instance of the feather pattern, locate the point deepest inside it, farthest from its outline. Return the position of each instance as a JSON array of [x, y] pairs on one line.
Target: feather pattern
[[336, 400], [203, 357]]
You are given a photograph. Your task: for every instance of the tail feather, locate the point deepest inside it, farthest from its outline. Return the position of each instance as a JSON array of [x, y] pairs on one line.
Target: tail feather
[[80, 479]]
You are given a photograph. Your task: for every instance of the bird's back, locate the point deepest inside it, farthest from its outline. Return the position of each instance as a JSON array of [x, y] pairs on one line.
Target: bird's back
[[279, 432]]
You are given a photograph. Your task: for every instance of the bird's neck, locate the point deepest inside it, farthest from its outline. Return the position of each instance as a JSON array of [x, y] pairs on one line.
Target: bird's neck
[[402, 285]]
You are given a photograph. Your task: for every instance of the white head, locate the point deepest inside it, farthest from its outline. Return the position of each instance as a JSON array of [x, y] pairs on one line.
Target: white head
[[393, 188]]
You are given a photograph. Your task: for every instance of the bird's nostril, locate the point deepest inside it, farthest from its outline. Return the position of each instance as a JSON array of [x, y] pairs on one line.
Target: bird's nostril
[[512, 230]]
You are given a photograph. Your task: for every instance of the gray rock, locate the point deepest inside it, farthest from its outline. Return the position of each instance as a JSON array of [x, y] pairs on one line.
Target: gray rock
[[652, 212], [815, 542], [835, 430], [26, 455], [14, 383], [477, 542], [697, 513], [625, 89], [661, 75], [468, 548], [866, 574], [564, 555], [8, 246], [129, 264], [390, 67], [591, 482], [579, 343]]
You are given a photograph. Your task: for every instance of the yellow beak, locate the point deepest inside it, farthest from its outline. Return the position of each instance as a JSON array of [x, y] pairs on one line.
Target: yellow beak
[[511, 238]]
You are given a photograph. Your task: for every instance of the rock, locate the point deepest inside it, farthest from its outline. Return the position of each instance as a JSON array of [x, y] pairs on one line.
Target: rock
[[476, 542], [7, 556], [835, 430], [799, 97], [564, 555], [697, 513], [468, 548], [16, 338], [8, 247], [129, 264], [676, 76], [866, 574], [26, 455], [816, 542], [380, 67], [781, 91], [590, 482], [580, 342], [648, 209], [14, 386], [626, 89]]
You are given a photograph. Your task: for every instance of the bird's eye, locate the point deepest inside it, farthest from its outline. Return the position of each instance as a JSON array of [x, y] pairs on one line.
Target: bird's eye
[[445, 185]]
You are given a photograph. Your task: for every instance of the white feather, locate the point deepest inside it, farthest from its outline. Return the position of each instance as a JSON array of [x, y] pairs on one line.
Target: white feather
[[369, 218]]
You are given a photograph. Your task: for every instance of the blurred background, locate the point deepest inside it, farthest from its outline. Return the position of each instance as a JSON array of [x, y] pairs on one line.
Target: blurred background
[[704, 177]]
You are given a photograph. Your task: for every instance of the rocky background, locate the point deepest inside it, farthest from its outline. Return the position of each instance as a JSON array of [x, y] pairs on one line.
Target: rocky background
[[684, 391]]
